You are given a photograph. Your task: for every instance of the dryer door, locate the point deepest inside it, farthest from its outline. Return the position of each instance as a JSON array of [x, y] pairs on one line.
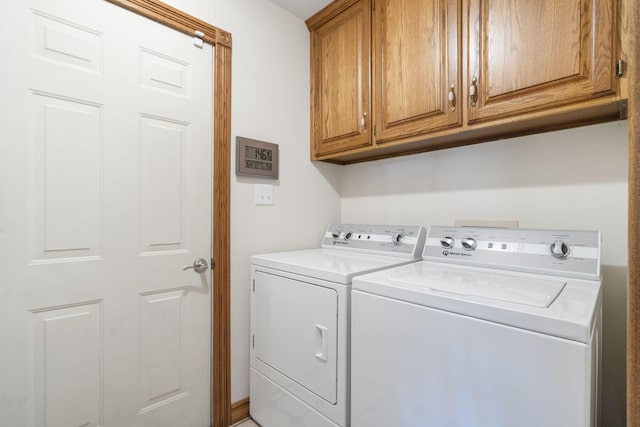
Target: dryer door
[[295, 331]]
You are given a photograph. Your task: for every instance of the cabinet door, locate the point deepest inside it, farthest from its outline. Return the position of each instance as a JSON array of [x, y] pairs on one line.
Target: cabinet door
[[340, 57], [530, 55], [416, 62]]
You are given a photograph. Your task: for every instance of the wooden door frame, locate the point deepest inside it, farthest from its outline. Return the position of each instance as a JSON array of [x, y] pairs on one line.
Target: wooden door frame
[[221, 42], [633, 305]]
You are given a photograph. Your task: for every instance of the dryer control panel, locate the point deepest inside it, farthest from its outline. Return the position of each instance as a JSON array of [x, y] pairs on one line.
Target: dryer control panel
[[566, 253], [391, 240]]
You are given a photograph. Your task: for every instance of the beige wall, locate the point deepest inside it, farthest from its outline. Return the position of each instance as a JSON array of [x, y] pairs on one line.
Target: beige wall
[[573, 179]]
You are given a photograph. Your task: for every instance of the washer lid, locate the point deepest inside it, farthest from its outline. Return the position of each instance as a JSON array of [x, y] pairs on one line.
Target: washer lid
[[558, 306], [460, 283]]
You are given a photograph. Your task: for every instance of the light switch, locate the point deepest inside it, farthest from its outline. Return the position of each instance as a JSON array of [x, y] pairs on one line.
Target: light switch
[[264, 194]]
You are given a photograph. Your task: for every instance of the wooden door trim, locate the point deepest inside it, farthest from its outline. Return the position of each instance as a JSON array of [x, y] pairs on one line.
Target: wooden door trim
[[633, 305], [221, 41]]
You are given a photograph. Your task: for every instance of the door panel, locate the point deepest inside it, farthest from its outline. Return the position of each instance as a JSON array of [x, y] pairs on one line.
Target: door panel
[[65, 189], [163, 172], [527, 55], [66, 354], [105, 188]]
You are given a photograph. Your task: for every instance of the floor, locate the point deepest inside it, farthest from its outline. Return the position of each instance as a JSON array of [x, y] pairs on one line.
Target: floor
[[247, 423]]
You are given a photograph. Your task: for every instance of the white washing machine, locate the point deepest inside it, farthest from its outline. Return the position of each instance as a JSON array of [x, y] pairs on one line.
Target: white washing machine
[[300, 308], [495, 328]]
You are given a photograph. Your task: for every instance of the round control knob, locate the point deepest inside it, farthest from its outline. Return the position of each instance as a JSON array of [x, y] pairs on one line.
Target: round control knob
[[447, 242], [397, 239], [335, 234], [469, 243], [348, 235], [559, 249]]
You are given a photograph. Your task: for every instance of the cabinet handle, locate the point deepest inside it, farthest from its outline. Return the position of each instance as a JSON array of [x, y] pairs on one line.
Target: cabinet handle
[[473, 92], [363, 122], [452, 98]]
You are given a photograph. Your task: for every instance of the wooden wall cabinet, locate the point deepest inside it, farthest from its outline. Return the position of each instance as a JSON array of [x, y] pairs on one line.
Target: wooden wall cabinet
[[340, 78], [393, 77], [527, 55], [416, 68]]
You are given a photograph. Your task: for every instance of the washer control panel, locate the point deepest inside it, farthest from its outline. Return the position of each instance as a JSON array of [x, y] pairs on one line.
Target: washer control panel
[[391, 240], [558, 252]]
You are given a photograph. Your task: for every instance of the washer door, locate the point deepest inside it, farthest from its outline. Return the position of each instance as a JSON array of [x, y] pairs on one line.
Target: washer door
[[295, 331]]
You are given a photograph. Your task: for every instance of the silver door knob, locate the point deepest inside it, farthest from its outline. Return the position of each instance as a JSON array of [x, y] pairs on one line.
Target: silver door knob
[[200, 265]]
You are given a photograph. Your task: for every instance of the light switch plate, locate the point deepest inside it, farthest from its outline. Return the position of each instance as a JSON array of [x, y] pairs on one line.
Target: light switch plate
[[264, 195]]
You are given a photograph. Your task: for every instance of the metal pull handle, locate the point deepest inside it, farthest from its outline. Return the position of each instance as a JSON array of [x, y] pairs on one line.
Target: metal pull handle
[[452, 98], [363, 122], [473, 92], [200, 265]]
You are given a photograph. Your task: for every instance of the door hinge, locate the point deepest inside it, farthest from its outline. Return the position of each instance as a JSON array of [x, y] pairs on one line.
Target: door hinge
[[213, 264], [254, 285], [373, 5], [374, 130], [620, 68], [253, 341]]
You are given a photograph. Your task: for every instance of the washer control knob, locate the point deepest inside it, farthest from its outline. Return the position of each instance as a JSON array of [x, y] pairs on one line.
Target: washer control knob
[[559, 249], [397, 239], [348, 235], [335, 234], [469, 243], [447, 242]]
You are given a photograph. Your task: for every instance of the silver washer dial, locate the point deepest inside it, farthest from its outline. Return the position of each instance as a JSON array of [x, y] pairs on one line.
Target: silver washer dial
[[447, 242], [469, 243], [559, 249]]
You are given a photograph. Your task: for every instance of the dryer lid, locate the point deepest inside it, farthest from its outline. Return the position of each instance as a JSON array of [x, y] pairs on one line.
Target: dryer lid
[[459, 283], [326, 264]]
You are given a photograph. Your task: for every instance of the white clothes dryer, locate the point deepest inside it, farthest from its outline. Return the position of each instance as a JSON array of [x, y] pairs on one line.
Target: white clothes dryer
[[300, 308], [495, 328]]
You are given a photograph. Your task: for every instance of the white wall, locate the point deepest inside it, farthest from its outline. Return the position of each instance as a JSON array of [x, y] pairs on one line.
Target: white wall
[[270, 102], [573, 179]]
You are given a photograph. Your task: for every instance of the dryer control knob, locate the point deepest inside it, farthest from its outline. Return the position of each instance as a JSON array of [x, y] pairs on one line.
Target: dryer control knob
[[335, 234], [559, 249], [397, 239], [469, 243], [348, 235], [447, 242]]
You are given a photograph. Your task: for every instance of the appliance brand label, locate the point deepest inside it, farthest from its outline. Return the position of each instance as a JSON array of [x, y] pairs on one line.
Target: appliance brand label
[[447, 253]]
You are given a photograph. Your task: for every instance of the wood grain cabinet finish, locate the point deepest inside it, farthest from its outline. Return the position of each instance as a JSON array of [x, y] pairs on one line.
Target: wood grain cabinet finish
[[340, 70], [528, 55], [416, 67], [394, 77]]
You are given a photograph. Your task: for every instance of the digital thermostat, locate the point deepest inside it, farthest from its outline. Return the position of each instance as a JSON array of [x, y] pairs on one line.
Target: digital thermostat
[[256, 158]]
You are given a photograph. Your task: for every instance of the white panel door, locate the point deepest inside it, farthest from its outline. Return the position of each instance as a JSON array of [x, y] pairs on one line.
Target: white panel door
[[105, 196]]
